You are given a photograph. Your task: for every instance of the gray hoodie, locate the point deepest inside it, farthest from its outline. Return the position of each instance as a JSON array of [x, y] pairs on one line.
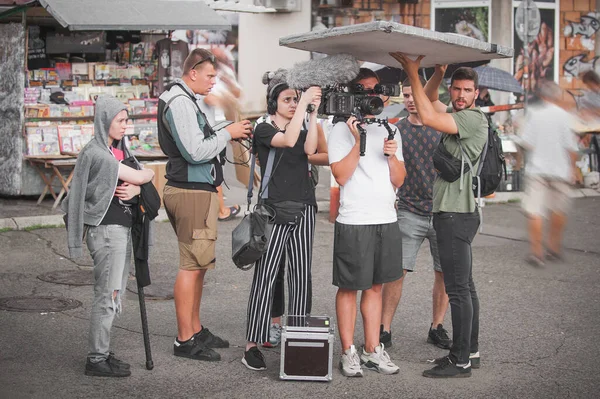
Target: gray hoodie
[[94, 179]]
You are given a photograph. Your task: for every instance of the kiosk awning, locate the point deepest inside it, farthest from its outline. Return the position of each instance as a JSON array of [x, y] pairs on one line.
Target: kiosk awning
[[135, 14]]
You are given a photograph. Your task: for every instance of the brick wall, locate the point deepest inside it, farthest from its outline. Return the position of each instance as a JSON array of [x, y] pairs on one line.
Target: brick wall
[[409, 14], [576, 42]]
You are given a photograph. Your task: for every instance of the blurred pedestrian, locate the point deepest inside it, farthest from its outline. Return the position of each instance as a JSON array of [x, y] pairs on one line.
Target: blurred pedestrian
[[222, 104], [550, 170]]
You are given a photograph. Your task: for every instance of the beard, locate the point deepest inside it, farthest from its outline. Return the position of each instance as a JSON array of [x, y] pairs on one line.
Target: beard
[[466, 105]]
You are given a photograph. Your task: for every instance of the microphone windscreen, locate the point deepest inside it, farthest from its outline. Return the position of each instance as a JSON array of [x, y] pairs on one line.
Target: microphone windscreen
[[334, 69]]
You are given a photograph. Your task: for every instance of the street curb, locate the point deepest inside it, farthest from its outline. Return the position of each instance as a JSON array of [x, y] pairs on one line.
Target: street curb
[[26, 222], [8, 223], [45, 221]]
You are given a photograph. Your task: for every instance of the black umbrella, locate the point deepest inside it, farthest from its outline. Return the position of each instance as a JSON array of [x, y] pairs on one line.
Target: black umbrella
[[497, 79]]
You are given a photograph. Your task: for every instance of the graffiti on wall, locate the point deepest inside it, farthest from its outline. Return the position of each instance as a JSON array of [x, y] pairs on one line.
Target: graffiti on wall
[[578, 64], [581, 34]]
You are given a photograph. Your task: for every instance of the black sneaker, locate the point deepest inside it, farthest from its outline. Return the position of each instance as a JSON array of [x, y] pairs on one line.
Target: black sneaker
[[446, 368], [105, 369], [474, 358], [439, 337], [210, 340], [194, 349], [254, 359], [385, 337], [116, 362]]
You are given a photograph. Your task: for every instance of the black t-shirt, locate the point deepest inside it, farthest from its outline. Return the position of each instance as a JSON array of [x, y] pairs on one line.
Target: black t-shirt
[[290, 180], [118, 214]]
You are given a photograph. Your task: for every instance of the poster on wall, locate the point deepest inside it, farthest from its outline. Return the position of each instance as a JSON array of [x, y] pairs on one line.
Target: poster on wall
[[541, 52], [467, 21]]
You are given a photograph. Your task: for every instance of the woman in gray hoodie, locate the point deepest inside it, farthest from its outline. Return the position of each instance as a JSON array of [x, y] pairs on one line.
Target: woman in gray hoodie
[[98, 213]]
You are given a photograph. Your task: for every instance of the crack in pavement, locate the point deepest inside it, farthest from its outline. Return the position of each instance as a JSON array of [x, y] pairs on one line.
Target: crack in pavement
[[55, 251], [584, 251]]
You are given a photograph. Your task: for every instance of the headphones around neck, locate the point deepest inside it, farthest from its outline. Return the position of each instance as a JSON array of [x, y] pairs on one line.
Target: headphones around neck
[[271, 101]]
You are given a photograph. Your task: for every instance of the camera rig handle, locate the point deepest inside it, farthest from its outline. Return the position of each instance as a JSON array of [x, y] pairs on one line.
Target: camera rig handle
[[363, 139], [391, 133], [363, 132], [380, 122]]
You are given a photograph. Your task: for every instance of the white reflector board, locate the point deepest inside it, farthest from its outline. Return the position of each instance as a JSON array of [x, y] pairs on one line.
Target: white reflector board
[[373, 41]]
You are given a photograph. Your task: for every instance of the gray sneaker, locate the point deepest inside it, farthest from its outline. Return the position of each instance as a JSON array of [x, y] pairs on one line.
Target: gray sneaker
[[350, 363], [274, 336], [378, 361]]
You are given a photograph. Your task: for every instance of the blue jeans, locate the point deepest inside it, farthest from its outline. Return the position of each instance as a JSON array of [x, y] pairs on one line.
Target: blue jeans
[[455, 232], [110, 247]]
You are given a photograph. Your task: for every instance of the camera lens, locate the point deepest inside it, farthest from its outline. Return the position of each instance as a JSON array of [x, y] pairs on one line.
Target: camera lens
[[370, 105]]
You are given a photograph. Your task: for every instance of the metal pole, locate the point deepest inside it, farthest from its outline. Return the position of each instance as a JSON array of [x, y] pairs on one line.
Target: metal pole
[[145, 332]]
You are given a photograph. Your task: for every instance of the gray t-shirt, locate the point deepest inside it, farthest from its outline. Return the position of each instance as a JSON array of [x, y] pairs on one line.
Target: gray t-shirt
[[472, 133]]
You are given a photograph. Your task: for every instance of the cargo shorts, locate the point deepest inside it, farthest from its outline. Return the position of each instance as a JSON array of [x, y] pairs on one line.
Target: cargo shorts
[[193, 215]]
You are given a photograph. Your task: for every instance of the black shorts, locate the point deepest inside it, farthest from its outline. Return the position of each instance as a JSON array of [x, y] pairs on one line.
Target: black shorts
[[364, 255]]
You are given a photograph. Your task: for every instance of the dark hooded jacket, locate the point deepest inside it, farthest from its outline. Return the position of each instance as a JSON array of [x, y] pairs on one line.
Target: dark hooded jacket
[[94, 178]]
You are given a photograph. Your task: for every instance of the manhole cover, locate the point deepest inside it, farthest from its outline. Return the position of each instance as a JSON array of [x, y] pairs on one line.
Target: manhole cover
[[162, 290], [38, 304], [69, 277]]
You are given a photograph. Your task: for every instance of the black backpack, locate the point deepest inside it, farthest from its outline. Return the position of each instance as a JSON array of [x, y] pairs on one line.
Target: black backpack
[[492, 164]]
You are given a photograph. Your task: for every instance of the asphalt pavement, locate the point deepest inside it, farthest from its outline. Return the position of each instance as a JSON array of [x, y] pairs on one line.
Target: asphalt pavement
[[539, 336]]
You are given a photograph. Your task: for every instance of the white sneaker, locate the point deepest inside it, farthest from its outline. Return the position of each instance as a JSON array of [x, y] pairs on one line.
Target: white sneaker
[[378, 361], [274, 336], [350, 363]]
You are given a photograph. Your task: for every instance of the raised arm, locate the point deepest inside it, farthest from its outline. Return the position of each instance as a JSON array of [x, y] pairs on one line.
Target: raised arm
[[440, 121], [312, 138], [292, 131], [432, 88]]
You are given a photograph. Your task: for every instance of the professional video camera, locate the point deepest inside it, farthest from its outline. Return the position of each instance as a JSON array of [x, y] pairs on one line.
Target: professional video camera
[[338, 97], [345, 100]]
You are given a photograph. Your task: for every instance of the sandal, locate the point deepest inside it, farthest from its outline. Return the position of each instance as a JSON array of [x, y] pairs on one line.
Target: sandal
[[233, 211]]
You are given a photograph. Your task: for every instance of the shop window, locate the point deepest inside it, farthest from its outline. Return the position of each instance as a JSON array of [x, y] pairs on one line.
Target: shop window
[[470, 18]]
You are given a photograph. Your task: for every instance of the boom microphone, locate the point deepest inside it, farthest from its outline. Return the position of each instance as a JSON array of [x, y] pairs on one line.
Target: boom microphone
[[331, 70]]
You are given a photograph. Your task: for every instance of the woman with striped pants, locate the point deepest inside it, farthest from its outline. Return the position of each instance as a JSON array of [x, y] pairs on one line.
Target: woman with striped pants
[[289, 191]]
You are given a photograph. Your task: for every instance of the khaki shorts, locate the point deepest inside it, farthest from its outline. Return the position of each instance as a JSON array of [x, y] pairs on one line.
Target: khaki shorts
[[193, 215], [544, 195]]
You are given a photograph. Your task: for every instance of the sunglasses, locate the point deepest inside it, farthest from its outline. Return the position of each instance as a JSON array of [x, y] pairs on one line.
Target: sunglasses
[[211, 57]]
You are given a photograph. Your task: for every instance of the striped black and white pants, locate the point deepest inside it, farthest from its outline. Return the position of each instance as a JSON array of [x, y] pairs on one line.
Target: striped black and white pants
[[297, 242]]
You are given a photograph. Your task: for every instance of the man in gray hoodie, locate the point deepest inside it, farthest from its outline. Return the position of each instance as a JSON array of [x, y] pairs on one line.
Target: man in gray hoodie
[[98, 213]]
